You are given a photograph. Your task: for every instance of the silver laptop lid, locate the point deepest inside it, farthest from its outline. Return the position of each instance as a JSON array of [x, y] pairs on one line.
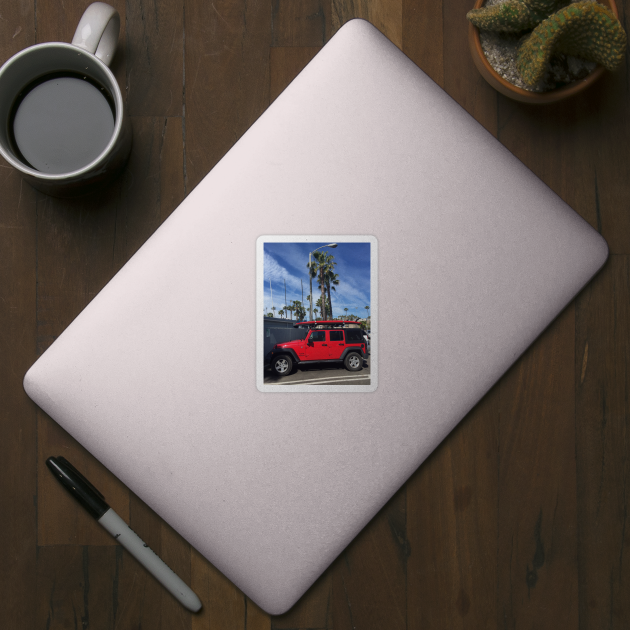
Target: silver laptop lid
[[158, 379]]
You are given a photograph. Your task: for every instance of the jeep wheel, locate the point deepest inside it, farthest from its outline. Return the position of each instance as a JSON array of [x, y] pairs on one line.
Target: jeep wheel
[[282, 365], [353, 362]]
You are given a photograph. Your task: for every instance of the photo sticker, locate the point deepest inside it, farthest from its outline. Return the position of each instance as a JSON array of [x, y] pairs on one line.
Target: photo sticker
[[316, 318]]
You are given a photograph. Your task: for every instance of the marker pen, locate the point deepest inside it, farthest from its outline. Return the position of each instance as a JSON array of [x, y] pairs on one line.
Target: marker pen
[[94, 502]]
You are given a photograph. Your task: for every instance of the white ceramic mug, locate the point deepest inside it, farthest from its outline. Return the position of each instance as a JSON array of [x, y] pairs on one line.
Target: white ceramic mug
[[88, 57]]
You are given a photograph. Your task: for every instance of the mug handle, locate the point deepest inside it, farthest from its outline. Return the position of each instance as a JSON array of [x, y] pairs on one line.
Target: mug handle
[[98, 30]]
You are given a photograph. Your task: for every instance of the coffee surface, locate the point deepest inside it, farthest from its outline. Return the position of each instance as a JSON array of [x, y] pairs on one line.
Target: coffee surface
[[62, 124]]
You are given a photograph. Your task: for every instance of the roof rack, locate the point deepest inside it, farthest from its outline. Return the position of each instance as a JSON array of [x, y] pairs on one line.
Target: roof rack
[[331, 323]]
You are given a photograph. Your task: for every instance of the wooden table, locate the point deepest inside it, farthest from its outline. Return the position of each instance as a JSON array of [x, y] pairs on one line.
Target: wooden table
[[518, 520]]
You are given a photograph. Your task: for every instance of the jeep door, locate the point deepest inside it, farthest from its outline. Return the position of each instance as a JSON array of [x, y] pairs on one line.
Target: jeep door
[[316, 346], [336, 344]]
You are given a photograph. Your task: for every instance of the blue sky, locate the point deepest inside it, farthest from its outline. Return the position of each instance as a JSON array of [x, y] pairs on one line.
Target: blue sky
[[288, 261]]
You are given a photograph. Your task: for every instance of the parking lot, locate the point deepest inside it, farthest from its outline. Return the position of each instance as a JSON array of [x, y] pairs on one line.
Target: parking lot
[[321, 374]]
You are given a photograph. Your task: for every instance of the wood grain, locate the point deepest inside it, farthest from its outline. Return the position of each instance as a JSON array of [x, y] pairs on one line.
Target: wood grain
[[602, 380], [537, 510], [18, 416], [300, 23], [76, 587], [461, 79], [154, 57], [226, 78], [422, 36]]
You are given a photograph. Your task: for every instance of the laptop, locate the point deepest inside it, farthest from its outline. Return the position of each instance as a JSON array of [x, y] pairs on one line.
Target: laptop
[[462, 255]]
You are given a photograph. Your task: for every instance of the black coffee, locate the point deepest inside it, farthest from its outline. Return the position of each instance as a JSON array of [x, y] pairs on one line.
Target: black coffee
[[61, 123]]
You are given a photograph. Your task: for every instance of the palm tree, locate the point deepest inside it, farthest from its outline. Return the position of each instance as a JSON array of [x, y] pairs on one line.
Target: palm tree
[[281, 313], [269, 314], [327, 305], [368, 310], [345, 309], [330, 278], [315, 311], [299, 309], [273, 308], [323, 264], [312, 273]]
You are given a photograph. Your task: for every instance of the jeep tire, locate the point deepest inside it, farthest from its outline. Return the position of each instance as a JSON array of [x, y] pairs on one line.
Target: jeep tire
[[282, 365], [353, 362]]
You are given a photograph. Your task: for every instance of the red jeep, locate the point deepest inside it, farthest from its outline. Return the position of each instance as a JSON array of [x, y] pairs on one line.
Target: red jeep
[[329, 343]]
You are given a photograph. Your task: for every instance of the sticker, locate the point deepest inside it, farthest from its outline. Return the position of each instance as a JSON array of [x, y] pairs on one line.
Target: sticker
[[316, 313]]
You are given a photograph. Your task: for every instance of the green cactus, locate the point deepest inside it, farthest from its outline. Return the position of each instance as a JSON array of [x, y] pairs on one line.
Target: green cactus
[[584, 29], [513, 16]]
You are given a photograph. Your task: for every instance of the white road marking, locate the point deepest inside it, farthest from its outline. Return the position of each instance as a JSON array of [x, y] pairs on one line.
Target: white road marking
[[327, 378]]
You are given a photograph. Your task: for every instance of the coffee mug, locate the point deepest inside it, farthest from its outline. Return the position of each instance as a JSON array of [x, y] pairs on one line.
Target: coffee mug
[[62, 114]]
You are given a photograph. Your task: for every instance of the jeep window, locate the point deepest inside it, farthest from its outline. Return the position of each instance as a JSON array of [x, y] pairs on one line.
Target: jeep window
[[354, 335], [336, 335], [318, 335]]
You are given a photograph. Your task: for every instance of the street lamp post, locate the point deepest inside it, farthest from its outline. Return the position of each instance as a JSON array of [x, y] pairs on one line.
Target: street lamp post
[[310, 277]]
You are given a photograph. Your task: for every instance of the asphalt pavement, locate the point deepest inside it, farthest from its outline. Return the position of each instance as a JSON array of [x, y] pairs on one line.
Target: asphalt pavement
[[321, 374]]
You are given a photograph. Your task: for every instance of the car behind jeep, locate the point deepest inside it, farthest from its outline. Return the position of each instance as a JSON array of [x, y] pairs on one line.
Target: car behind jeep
[[328, 344]]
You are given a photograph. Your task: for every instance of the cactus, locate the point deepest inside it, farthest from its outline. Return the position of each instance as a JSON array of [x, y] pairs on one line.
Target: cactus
[[513, 16], [584, 29]]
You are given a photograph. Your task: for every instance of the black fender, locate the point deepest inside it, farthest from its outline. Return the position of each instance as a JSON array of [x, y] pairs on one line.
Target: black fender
[[275, 352], [350, 349]]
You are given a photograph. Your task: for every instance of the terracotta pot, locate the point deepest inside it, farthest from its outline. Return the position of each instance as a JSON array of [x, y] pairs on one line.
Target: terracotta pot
[[518, 94]]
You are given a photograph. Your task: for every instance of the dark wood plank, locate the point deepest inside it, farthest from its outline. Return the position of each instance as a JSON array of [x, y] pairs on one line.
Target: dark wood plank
[[226, 78], [154, 57], [18, 421], [461, 78], [17, 28], [422, 36], [575, 147], [452, 527], [537, 537], [18, 415], [76, 587], [603, 443], [369, 577], [386, 15], [608, 126], [300, 23]]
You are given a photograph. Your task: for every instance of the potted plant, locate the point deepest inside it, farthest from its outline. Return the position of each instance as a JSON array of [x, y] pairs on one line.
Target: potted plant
[[548, 50]]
